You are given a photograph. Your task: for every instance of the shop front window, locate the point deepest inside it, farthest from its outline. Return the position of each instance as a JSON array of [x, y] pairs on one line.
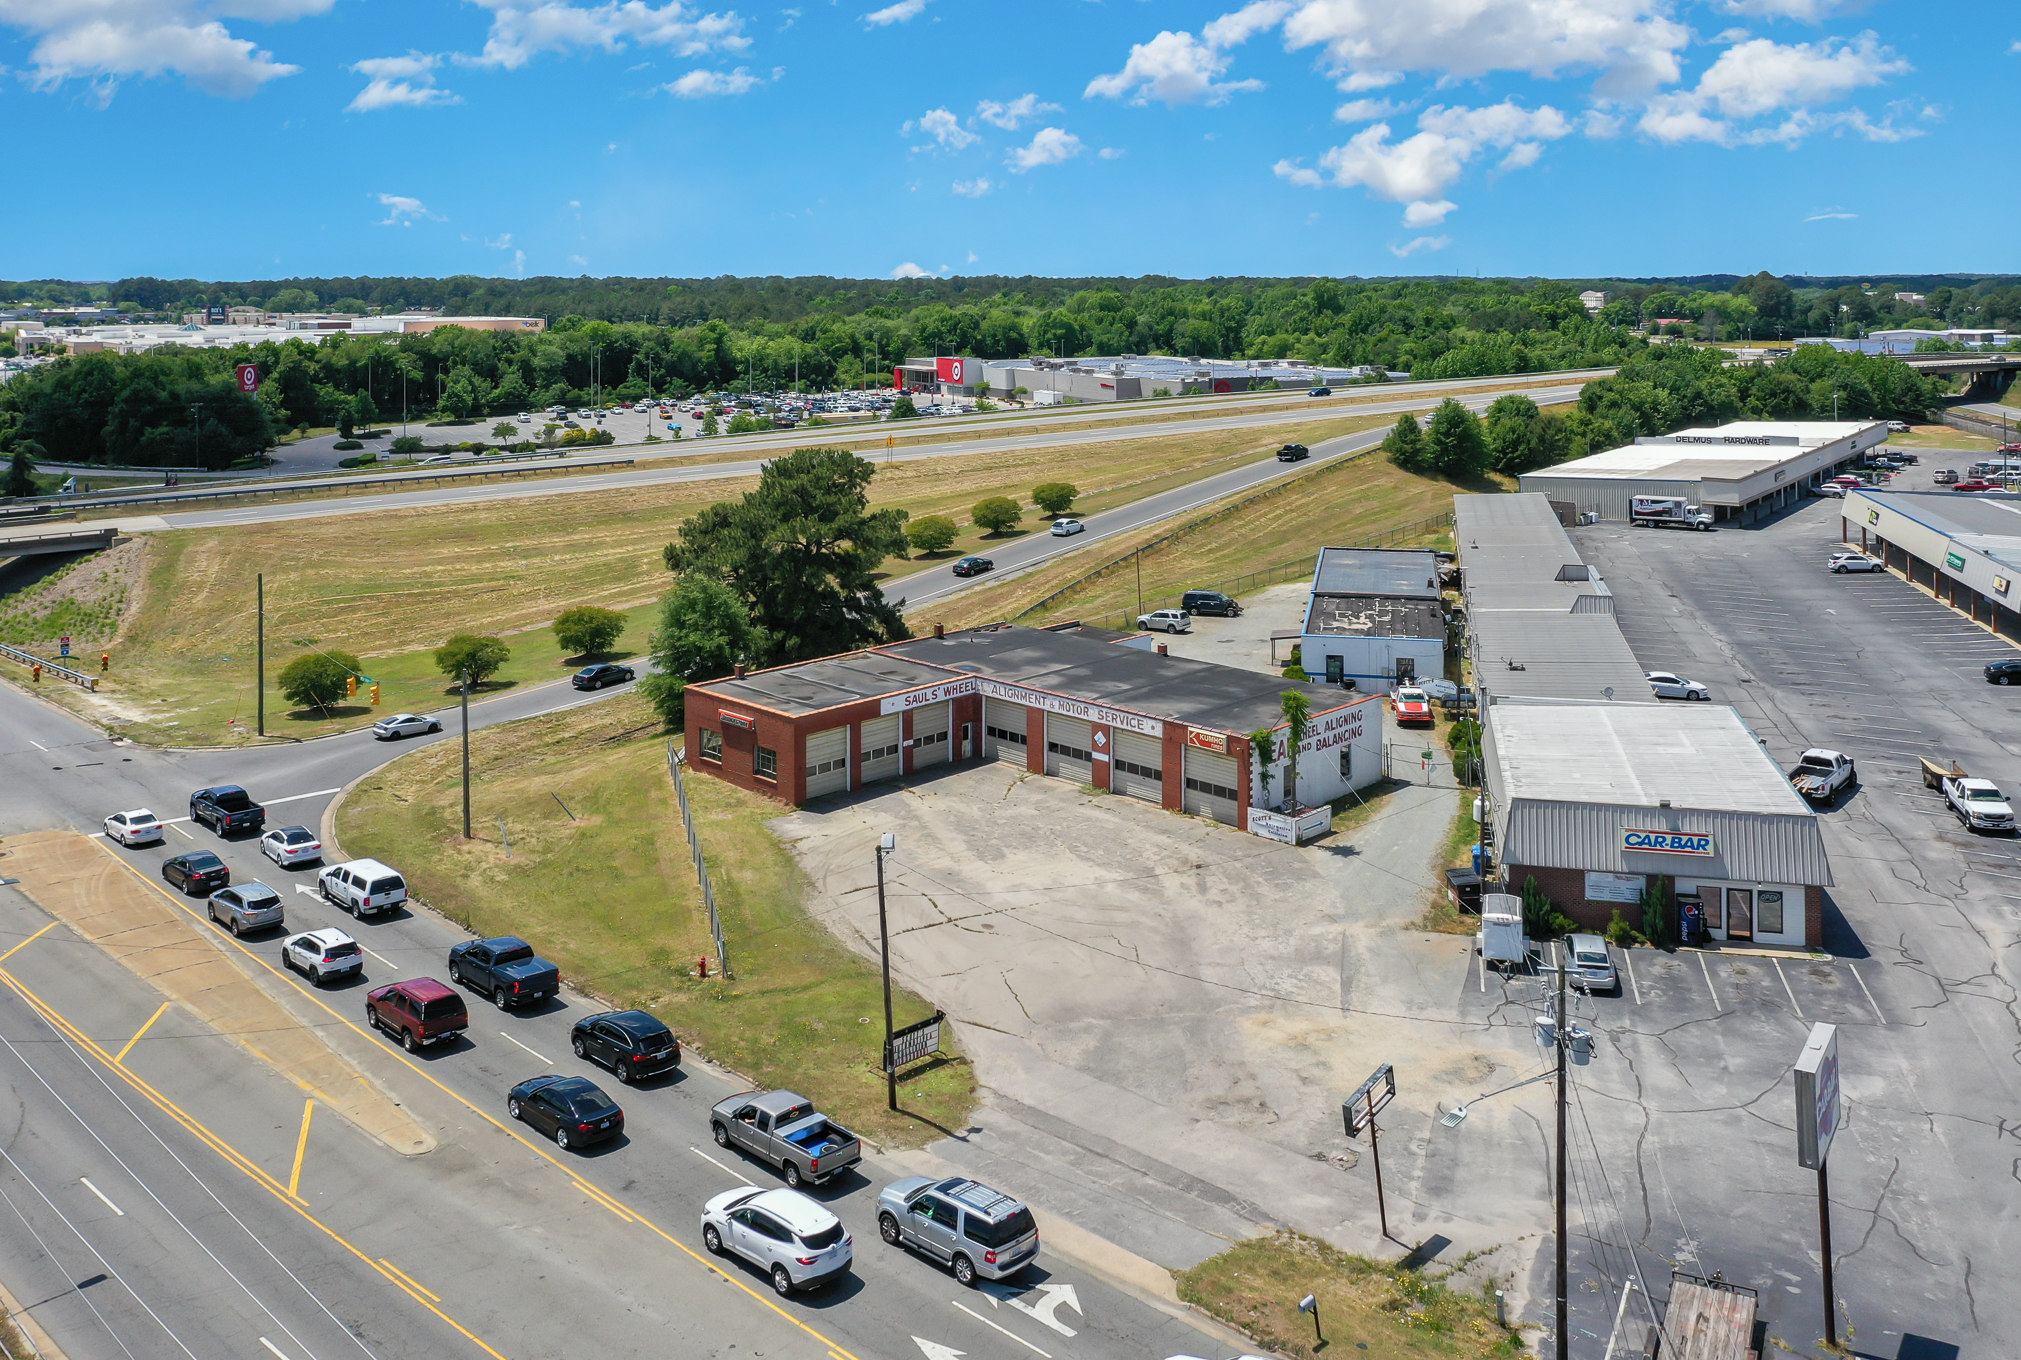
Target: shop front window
[[1768, 913]]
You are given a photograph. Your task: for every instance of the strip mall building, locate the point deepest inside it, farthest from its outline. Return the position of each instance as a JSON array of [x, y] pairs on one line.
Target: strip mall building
[[1088, 705]]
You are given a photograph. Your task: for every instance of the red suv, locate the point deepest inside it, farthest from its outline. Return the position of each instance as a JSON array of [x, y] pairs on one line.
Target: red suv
[[417, 1013]]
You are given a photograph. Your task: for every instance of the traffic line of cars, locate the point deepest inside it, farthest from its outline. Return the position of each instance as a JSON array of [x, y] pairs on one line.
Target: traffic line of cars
[[976, 1232]]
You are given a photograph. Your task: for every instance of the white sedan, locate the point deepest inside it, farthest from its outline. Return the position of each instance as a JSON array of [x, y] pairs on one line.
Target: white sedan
[[1063, 527], [1845, 562], [404, 725], [1671, 686], [290, 845], [137, 826]]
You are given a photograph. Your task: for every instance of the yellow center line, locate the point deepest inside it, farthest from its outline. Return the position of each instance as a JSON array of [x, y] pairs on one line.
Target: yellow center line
[[538, 1149], [301, 1150], [120, 1056], [410, 1279], [25, 943], [601, 1198]]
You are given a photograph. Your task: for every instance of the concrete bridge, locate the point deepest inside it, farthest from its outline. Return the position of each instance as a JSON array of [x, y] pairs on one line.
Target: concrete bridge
[[1992, 374], [33, 543]]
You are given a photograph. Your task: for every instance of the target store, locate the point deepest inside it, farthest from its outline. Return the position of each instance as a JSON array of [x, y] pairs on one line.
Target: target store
[[1088, 705]]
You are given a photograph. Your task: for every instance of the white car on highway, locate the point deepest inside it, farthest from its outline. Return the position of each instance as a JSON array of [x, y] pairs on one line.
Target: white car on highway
[[1669, 685], [136, 826], [788, 1235], [1852, 561], [1064, 527], [290, 845], [403, 725], [323, 955]]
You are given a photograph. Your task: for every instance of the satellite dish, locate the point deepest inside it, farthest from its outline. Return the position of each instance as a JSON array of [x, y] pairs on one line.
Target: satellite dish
[[1609, 691]]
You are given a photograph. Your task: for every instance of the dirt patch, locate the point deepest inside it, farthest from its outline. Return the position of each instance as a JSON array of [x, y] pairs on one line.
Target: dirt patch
[[77, 880]]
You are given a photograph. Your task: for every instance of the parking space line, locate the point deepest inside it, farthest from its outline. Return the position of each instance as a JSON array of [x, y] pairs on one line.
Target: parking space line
[[1707, 970], [273, 1349], [1628, 961], [25, 943], [719, 1166], [1870, 996], [1482, 956], [1794, 1008], [120, 1056], [1005, 1330], [301, 1151]]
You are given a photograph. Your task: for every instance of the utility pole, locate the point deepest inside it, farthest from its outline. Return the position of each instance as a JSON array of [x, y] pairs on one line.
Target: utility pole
[[1564, 1325], [885, 846], [466, 797], [196, 430], [260, 652]]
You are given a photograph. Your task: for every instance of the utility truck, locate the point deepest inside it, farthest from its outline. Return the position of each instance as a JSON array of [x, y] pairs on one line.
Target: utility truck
[[1667, 512]]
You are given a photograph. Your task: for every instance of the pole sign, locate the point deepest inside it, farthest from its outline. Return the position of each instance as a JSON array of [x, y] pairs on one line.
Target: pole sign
[[1359, 1110], [914, 1042], [1817, 1096], [249, 377]]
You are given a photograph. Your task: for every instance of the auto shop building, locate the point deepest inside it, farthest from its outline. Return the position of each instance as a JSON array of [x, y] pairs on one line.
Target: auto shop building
[[1376, 617], [1964, 549], [1170, 730]]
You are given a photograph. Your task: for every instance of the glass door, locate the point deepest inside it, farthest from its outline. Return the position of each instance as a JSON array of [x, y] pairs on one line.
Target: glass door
[[1740, 913]]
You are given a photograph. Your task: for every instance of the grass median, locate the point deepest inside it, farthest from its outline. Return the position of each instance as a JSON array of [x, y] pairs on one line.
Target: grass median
[[578, 848]]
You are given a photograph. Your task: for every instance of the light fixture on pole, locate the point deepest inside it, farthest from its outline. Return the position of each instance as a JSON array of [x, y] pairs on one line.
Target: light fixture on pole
[[885, 845]]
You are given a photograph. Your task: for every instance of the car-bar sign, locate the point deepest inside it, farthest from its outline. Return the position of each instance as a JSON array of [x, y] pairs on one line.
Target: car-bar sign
[[1666, 842], [1817, 1096], [249, 377], [1359, 1110]]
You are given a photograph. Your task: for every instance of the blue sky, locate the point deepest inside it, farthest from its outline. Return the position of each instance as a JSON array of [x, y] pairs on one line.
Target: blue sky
[[259, 138]]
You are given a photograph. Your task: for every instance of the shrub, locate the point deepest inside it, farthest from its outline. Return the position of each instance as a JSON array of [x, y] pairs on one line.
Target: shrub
[[1620, 932], [407, 443], [346, 445], [362, 460], [1055, 498], [931, 533], [998, 514], [588, 630], [903, 409], [1541, 917], [481, 656]]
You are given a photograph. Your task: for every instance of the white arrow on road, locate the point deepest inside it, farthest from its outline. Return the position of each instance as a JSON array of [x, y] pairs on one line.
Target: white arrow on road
[[306, 891], [1043, 1310], [933, 1350]]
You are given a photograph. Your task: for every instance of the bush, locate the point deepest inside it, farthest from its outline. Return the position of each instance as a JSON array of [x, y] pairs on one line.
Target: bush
[[1541, 918], [407, 444], [931, 533], [1294, 672], [1620, 932], [588, 630], [998, 514], [480, 656], [1055, 498], [362, 460], [346, 445], [903, 409]]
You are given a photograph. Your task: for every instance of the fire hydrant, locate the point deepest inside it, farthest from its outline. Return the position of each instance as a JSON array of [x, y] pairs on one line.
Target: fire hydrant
[[36, 672], [105, 661], [702, 967]]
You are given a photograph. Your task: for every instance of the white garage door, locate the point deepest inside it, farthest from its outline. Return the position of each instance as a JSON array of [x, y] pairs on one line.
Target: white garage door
[[880, 749], [929, 735], [827, 761], [1003, 733], [1211, 785], [1136, 769], [1070, 748]]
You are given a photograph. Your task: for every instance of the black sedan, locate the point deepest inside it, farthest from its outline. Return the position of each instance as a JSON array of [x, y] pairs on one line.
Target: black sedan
[[573, 1112], [1293, 453], [604, 673], [632, 1044], [2003, 673], [197, 872], [973, 566]]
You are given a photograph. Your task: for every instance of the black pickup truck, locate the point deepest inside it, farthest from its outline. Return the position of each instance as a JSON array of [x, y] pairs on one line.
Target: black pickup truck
[[506, 967], [227, 809]]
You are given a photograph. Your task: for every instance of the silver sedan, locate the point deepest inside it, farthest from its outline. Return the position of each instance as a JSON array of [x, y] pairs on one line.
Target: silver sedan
[[404, 725]]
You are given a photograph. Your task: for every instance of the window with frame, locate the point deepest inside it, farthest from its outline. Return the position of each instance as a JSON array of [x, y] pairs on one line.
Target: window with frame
[[712, 745], [1141, 771], [1768, 913], [765, 763], [1346, 764], [1005, 734]]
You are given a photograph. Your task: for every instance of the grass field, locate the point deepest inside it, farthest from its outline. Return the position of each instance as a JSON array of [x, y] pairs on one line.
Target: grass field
[[597, 877], [1365, 1306], [1942, 437]]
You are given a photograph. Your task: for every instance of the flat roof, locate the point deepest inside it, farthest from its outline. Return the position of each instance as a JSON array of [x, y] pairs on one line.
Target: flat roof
[[1198, 693], [1376, 571], [1375, 616], [1696, 755], [1531, 654], [1988, 522], [810, 686], [1727, 453]]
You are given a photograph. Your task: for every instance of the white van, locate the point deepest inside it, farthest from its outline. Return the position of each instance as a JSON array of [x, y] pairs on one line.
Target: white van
[[363, 887]]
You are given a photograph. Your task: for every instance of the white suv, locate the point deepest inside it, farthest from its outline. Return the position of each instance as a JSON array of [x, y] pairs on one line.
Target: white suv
[[363, 887], [1166, 621], [788, 1235]]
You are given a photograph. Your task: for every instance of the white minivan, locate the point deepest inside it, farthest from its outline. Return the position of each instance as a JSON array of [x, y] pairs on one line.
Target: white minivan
[[363, 887]]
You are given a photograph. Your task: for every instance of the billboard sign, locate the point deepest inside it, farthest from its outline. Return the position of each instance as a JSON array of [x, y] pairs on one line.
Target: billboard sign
[[1817, 1096], [914, 1042], [1359, 1110], [249, 377], [950, 370]]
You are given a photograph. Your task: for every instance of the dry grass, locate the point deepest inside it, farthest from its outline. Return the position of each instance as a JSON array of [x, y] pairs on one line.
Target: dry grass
[[605, 888], [1942, 437]]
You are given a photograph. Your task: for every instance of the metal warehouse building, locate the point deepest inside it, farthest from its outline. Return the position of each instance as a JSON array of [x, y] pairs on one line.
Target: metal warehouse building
[[1593, 800], [1737, 472], [1376, 617], [1966, 549], [1059, 701]]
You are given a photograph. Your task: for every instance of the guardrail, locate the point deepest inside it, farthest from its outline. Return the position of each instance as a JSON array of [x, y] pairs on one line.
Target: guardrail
[[343, 485], [677, 757], [61, 672]]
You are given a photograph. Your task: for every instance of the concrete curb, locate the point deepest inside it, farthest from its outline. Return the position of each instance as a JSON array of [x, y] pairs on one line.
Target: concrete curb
[[38, 1340]]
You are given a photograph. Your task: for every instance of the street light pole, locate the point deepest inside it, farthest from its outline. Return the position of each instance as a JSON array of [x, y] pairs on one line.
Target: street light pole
[[466, 753], [260, 651], [1564, 1326], [885, 846]]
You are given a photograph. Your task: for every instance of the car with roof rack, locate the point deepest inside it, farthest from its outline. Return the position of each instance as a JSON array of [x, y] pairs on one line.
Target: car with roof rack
[[976, 1232]]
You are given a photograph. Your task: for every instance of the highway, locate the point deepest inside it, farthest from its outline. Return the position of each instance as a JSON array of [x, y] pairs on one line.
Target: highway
[[165, 1195]]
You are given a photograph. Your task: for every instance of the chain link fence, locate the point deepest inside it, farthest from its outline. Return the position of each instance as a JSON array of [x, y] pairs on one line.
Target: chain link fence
[[676, 758]]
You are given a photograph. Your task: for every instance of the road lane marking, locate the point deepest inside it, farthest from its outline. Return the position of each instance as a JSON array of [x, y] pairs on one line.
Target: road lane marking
[[301, 1149], [120, 1056], [37, 745], [1870, 996], [409, 1280], [1628, 959], [275, 1349], [85, 1181], [510, 1040], [298, 797], [719, 1166], [1707, 970], [1055, 1294], [25, 943], [178, 830], [1794, 1008], [599, 1197], [1005, 1330]]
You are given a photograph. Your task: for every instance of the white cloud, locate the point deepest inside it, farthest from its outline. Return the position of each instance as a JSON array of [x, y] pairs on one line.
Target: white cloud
[[701, 83], [1009, 116], [1423, 214], [1356, 81], [401, 211], [973, 257], [579, 259], [1049, 147], [502, 243], [909, 270], [1760, 77], [1365, 110], [1520, 155], [1232, 30], [395, 82], [1832, 215], [523, 29], [1111, 153], [1418, 168], [895, 14], [519, 263], [106, 41], [1808, 11], [945, 129], [1411, 247], [1177, 68], [973, 188]]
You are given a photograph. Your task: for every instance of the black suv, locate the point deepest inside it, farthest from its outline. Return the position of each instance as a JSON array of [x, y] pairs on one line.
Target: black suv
[[226, 809], [604, 673], [632, 1044], [2003, 673], [1210, 602], [1292, 453]]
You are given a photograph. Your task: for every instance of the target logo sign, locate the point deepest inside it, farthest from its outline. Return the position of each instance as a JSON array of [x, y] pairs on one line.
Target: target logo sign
[[949, 370], [249, 377]]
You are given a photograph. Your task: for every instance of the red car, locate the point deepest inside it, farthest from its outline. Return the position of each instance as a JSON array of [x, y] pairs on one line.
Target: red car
[[1976, 485], [417, 1012], [2009, 448], [1411, 705]]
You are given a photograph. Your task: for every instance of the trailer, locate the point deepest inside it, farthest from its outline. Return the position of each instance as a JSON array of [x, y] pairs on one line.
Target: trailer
[[1707, 1320]]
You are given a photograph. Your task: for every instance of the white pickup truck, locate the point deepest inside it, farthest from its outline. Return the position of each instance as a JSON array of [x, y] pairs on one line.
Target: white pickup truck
[[1978, 803], [1822, 775]]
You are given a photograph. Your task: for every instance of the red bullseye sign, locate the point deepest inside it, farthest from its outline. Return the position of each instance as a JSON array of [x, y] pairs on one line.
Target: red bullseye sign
[[249, 377]]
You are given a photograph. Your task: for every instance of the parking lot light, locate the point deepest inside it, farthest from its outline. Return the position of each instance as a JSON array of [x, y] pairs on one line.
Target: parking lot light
[[885, 845]]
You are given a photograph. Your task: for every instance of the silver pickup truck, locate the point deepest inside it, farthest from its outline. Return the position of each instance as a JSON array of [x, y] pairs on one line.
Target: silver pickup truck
[[785, 1130]]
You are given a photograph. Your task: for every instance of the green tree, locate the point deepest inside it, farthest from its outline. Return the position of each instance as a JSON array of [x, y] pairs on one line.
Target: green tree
[[1055, 498], [468, 652], [709, 422], [998, 514], [316, 679], [587, 630], [1264, 742], [503, 431], [407, 444], [21, 470], [931, 533], [1297, 710], [1455, 443], [903, 409], [704, 630], [802, 550], [1405, 444], [1659, 917]]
